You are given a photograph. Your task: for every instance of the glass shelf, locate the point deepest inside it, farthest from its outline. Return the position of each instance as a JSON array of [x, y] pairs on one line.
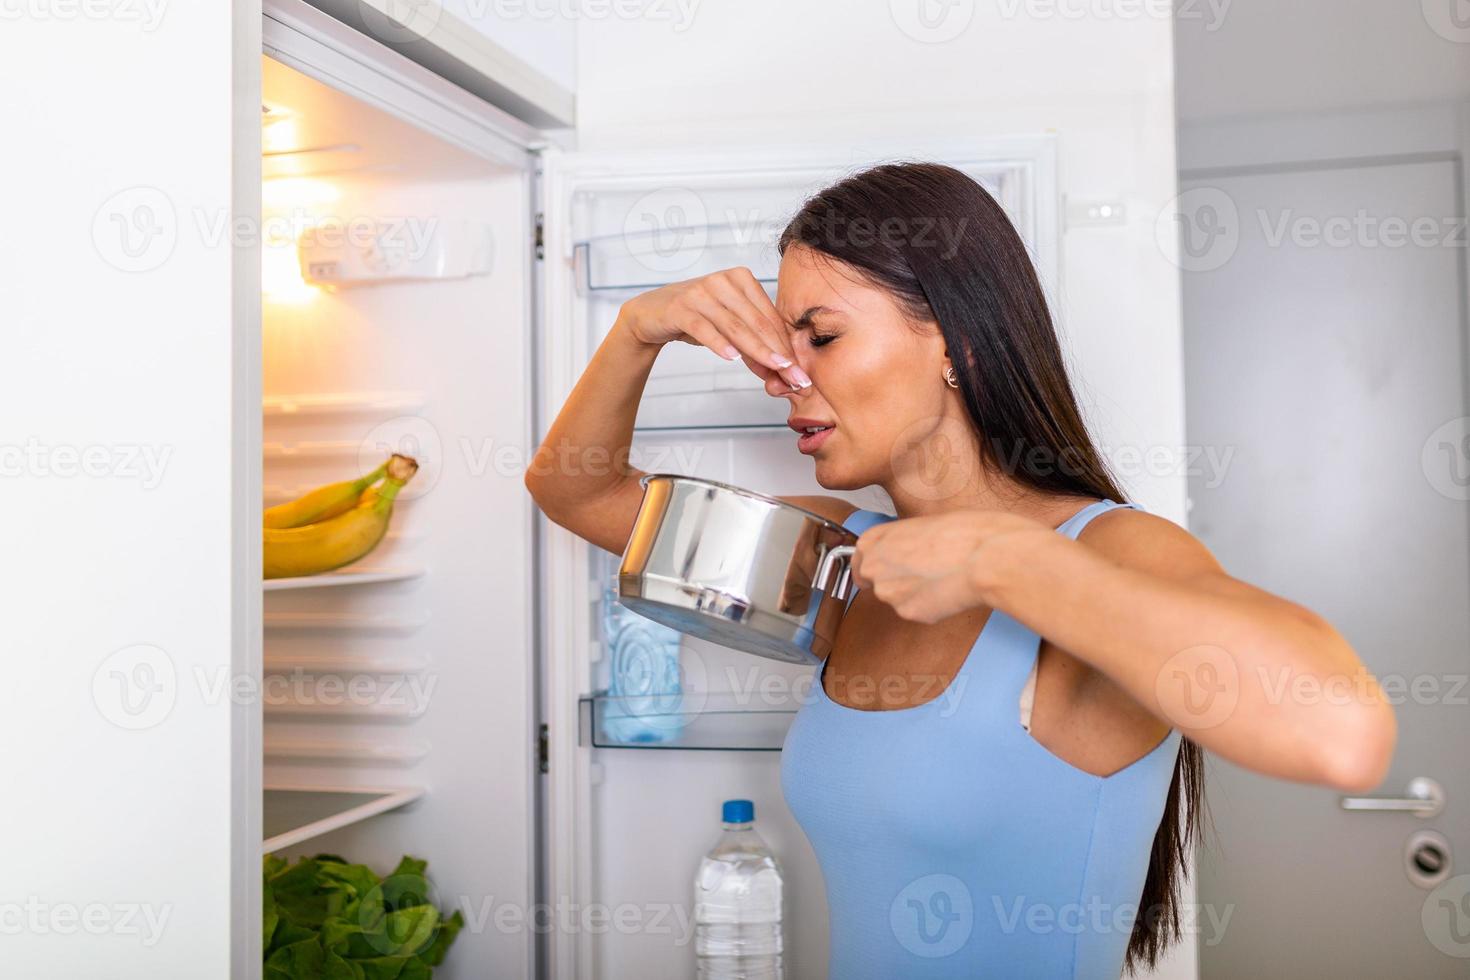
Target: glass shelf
[[637, 261], [345, 751], [341, 577], [292, 814], [315, 404], [692, 720]]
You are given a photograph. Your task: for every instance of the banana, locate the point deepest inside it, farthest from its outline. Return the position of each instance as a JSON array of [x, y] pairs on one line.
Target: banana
[[323, 503], [340, 540]]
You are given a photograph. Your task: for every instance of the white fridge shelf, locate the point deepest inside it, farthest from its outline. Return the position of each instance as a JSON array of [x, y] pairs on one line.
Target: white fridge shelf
[[345, 576], [345, 751], [343, 404], [387, 706], [293, 815], [692, 720], [326, 622], [340, 663], [313, 449]]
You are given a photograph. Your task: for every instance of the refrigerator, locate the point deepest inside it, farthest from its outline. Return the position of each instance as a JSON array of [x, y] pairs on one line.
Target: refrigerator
[[477, 636], [435, 273]]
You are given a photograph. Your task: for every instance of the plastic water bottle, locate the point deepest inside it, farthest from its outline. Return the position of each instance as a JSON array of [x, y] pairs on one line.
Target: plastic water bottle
[[737, 903], [645, 701]]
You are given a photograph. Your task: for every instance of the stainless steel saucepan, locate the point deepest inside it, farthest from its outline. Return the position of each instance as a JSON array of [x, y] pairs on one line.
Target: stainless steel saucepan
[[737, 568]]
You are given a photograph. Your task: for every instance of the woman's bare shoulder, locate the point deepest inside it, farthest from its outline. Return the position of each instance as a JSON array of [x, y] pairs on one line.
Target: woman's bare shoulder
[[833, 508], [1150, 543]]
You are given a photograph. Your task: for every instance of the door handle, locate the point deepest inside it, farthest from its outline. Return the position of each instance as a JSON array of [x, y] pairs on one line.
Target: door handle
[[1424, 798]]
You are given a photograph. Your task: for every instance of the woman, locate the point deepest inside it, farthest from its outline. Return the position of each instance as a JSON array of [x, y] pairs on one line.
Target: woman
[[1000, 766]]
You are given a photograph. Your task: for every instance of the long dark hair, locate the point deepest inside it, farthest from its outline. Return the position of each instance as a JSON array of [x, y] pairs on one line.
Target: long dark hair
[[936, 241]]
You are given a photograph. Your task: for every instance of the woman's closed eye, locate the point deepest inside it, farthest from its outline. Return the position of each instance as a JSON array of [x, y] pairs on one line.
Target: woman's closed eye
[[818, 340]]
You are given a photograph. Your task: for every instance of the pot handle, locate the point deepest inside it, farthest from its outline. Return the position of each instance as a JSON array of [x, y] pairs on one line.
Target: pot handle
[[842, 553]]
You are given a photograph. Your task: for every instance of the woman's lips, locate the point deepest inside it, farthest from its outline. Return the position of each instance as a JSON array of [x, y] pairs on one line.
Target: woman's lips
[[810, 442]]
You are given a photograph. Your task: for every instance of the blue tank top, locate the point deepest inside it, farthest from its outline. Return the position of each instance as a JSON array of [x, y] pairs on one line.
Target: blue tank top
[[952, 843]]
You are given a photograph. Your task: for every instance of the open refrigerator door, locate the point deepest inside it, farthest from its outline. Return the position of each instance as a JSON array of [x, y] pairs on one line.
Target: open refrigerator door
[[648, 731]]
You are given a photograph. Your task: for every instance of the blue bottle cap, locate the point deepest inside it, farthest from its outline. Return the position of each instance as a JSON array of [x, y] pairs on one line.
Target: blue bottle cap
[[739, 811]]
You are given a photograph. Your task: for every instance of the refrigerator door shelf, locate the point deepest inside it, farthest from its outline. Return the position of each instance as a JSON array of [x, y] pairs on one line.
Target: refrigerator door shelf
[[716, 407], [687, 720], [649, 255], [691, 387]]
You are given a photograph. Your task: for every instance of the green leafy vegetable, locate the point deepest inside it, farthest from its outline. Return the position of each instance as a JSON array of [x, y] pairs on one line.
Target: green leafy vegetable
[[326, 919]]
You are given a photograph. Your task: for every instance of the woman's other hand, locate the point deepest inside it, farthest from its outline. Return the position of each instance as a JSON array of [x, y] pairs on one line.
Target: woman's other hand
[[930, 568]]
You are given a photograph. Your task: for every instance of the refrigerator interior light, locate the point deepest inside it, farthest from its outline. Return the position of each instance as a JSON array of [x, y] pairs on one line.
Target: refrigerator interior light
[[297, 192], [280, 274], [289, 206]]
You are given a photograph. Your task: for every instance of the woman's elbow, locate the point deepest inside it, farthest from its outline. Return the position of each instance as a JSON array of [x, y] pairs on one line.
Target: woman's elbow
[[533, 483], [540, 479], [1359, 754]]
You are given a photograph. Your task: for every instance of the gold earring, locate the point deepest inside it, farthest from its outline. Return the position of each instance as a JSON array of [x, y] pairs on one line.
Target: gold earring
[[949, 377]]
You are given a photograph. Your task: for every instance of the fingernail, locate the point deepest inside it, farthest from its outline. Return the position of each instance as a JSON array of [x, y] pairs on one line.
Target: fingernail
[[780, 360], [730, 353], [799, 376]]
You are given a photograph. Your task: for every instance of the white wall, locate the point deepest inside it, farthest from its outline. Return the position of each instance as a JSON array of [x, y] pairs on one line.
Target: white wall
[[1309, 56], [1272, 83], [128, 389], [764, 72], [732, 78], [541, 33]]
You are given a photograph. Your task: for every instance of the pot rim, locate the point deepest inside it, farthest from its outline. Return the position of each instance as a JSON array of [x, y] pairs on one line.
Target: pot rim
[[754, 495]]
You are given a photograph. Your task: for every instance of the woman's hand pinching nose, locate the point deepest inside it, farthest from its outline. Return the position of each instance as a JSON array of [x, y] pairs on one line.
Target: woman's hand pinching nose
[[728, 312]]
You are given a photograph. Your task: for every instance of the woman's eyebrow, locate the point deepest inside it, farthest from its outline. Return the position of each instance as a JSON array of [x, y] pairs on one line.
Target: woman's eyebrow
[[809, 315]]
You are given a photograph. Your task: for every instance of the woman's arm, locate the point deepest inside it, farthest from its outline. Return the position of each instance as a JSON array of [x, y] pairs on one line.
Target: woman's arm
[[580, 475], [1248, 675]]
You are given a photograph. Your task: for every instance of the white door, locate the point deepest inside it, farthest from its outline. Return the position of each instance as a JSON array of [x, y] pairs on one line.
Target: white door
[[1326, 362], [128, 389]]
